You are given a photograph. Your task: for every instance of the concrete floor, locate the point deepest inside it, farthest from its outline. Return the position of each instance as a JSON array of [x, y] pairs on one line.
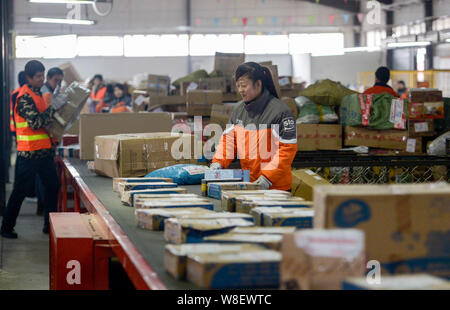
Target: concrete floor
[[24, 262]]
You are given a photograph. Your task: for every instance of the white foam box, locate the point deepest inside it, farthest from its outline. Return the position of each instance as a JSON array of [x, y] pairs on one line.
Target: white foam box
[[177, 203], [175, 256], [270, 241], [260, 213], [398, 282], [116, 181], [139, 199], [319, 259], [255, 269], [128, 196], [246, 204], [263, 230], [215, 189], [179, 231], [122, 187], [229, 197]]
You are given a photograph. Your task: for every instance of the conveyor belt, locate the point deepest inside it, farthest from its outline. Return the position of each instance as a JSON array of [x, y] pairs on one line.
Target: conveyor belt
[[149, 243]]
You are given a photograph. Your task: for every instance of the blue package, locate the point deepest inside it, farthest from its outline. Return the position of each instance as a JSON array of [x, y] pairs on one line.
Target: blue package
[[182, 174], [224, 174]]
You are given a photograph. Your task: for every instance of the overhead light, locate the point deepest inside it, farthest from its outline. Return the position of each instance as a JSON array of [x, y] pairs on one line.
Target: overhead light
[[62, 21], [448, 40], [62, 1], [409, 44]]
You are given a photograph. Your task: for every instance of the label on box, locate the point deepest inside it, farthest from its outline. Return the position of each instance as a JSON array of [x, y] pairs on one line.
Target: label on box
[[284, 81], [411, 145], [421, 127], [194, 170], [397, 116], [139, 100], [192, 86]]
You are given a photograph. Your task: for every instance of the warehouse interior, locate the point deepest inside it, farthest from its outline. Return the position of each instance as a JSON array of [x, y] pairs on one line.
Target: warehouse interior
[[114, 197]]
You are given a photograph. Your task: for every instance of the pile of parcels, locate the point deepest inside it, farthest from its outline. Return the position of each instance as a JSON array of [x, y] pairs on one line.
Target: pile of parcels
[[387, 125], [272, 239]]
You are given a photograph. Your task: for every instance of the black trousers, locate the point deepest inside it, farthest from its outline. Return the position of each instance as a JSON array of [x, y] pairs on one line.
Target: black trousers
[[26, 172]]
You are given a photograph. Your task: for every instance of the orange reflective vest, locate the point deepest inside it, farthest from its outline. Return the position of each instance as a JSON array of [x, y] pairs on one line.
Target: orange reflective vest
[[31, 139], [99, 96], [121, 107], [12, 104]]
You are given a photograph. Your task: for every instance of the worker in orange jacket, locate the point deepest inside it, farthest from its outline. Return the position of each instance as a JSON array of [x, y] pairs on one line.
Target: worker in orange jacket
[[382, 76], [261, 132], [402, 90], [96, 101], [35, 152], [22, 81], [122, 100], [54, 78]]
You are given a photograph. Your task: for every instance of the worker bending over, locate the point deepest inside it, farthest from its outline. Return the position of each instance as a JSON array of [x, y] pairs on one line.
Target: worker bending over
[[261, 132]]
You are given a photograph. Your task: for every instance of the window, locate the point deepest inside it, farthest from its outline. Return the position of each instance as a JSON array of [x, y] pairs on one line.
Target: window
[[155, 45], [266, 44], [318, 44], [100, 46], [46, 47], [208, 45]]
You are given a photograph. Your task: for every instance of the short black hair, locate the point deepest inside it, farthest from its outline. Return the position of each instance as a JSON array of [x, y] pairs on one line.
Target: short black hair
[[402, 82], [21, 78], [32, 67], [54, 71], [383, 74], [98, 76]]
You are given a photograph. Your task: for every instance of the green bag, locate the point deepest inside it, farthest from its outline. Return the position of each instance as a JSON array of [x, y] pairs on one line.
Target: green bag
[[193, 77], [326, 92]]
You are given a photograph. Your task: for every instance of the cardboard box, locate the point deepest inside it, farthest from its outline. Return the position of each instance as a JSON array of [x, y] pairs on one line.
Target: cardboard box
[[72, 151], [246, 204], [399, 282], [299, 219], [116, 181], [200, 102], [75, 129], [285, 82], [422, 95], [128, 197], [422, 128], [216, 83], [321, 259], [194, 230], [153, 219], [434, 110], [227, 63], [220, 114], [416, 110], [135, 155], [92, 125], [126, 187], [313, 137], [292, 105], [229, 197], [68, 140], [140, 100], [76, 96], [260, 213], [155, 85], [384, 139], [405, 225], [303, 182], [70, 73], [269, 241], [140, 199], [174, 104], [215, 189], [256, 269], [175, 256]]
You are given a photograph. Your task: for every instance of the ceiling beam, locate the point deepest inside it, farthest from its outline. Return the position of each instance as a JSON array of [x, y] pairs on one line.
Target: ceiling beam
[[352, 6]]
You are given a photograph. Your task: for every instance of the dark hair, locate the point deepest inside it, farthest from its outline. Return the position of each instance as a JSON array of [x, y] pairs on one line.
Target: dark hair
[[98, 76], [256, 72], [32, 67], [120, 86], [54, 71], [402, 82], [383, 74], [21, 78]]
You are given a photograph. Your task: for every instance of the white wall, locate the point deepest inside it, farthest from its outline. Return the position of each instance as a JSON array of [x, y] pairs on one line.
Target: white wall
[[441, 7], [345, 68], [409, 13]]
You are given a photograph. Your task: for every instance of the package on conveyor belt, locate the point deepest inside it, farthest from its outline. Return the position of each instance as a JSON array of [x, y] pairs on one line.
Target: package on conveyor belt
[[206, 182], [176, 203], [270, 241], [153, 219], [215, 189], [304, 181], [71, 151], [246, 204], [194, 230], [124, 187], [221, 174], [410, 221], [175, 256], [246, 269], [438, 146], [75, 95], [182, 174], [299, 219], [261, 215], [321, 259], [312, 113], [229, 197], [128, 196], [380, 112], [139, 199], [398, 282], [116, 181], [326, 92], [263, 230]]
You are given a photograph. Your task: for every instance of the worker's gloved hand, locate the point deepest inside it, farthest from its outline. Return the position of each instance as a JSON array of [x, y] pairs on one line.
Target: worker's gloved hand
[[264, 182], [215, 166], [58, 99]]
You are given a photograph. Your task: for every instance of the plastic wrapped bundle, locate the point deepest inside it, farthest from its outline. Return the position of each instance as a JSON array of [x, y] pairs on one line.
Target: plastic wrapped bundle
[[182, 174], [311, 113], [76, 96], [438, 146], [327, 92]]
